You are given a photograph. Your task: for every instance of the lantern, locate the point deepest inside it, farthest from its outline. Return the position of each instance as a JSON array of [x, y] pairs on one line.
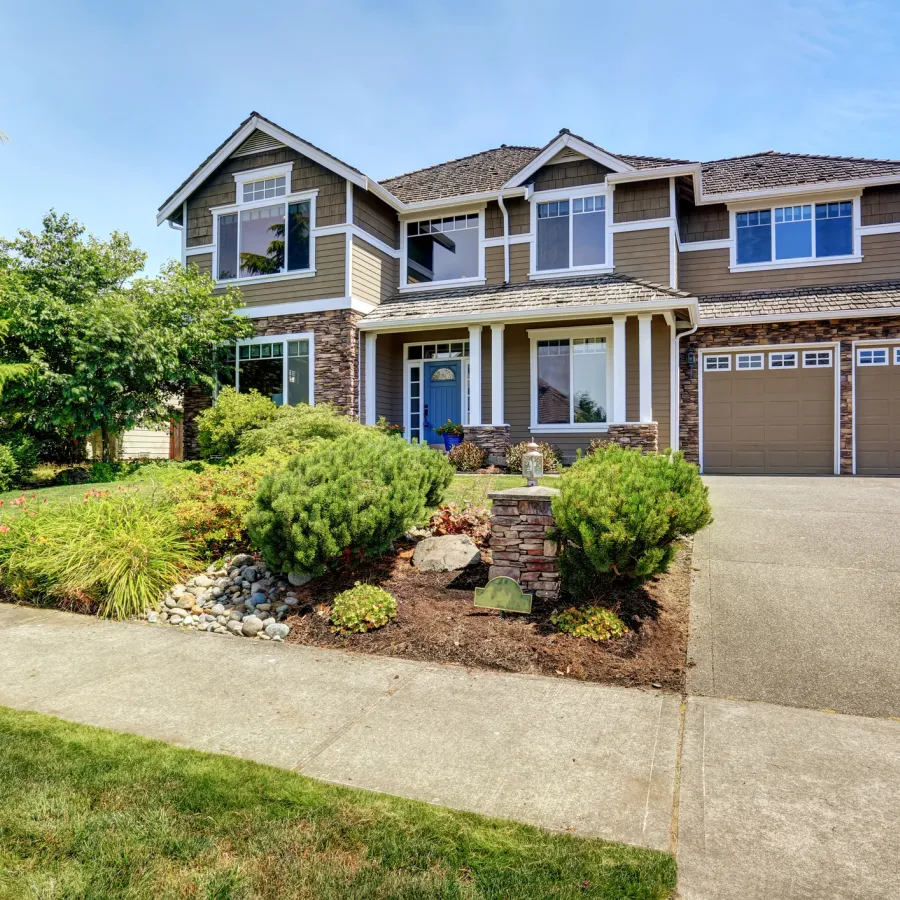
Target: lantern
[[532, 464]]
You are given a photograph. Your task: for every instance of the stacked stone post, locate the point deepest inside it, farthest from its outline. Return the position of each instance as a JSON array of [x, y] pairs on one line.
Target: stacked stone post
[[522, 546]]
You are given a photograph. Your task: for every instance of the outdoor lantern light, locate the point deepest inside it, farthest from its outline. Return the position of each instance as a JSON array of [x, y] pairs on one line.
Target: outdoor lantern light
[[532, 464]]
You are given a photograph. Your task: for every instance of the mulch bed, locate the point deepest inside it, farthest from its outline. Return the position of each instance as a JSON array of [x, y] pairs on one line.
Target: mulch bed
[[437, 622]]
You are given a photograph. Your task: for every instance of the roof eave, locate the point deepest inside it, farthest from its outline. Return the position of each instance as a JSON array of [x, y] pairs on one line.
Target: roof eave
[[817, 187], [811, 315]]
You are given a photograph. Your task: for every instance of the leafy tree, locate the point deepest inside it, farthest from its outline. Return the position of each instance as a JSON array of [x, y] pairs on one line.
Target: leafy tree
[[8, 371], [107, 350]]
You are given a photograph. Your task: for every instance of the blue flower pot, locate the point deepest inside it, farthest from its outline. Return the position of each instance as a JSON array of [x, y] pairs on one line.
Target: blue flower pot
[[451, 440]]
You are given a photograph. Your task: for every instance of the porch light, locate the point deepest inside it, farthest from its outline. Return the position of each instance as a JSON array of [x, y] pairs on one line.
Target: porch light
[[532, 464]]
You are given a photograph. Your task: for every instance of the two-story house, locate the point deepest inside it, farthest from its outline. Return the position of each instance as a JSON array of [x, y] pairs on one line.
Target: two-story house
[[745, 310]]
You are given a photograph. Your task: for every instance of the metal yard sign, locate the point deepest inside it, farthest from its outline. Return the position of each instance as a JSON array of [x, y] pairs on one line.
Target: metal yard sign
[[503, 593]]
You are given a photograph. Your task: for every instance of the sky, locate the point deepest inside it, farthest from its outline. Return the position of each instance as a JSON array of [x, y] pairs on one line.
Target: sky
[[108, 106]]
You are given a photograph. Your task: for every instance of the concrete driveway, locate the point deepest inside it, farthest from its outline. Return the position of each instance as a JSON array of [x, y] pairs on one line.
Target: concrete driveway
[[796, 597]]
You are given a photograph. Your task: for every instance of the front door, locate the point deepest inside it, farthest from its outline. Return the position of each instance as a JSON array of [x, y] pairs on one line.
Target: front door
[[443, 396]]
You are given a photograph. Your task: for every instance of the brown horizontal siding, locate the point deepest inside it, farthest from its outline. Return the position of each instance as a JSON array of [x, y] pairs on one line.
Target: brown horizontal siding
[[306, 175], [881, 205], [703, 223], [519, 263], [203, 261], [632, 370], [570, 174], [643, 254], [706, 271], [494, 268], [374, 274], [389, 377], [374, 215], [637, 201], [661, 365]]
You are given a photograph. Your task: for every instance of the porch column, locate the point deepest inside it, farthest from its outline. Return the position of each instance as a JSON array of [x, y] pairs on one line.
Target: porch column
[[497, 415], [618, 410], [645, 343], [474, 374], [371, 338]]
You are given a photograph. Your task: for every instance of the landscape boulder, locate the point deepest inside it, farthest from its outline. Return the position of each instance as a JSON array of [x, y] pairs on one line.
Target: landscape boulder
[[447, 553]]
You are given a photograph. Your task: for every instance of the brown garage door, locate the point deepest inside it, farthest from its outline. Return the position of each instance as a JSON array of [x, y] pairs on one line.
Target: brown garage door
[[877, 411], [769, 412]]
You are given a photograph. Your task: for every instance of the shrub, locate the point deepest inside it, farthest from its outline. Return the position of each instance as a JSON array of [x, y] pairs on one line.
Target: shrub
[[467, 457], [475, 521], [221, 427], [25, 451], [594, 622], [387, 428], [620, 512], [111, 553], [552, 456], [211, 505], [8, 468], [362, 608], [294, 428], [348, 500]]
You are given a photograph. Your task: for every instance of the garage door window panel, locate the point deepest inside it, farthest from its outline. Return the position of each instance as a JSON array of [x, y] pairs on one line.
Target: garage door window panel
[[783, 360], [817, 359], [749, 361], [717, 363], [872, 357]]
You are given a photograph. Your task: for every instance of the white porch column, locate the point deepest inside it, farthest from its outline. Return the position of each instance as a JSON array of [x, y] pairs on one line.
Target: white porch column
[[645, 343], [618, 410], [474, 374], [371, 338], [497, 413]]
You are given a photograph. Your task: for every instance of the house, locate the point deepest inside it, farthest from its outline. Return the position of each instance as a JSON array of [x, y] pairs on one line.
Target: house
[[745, 310]]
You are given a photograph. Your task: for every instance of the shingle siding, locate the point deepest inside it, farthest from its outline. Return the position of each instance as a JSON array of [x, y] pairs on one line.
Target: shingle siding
[[637, 201], [703, 223], [881, 205], [571, 174]]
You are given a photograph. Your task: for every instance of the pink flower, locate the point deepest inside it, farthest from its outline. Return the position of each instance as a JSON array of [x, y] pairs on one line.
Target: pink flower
[[4, 529]]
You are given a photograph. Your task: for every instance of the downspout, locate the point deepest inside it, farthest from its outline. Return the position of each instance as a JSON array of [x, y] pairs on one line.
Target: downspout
[[505, 238], [676, 431], [183, 229]]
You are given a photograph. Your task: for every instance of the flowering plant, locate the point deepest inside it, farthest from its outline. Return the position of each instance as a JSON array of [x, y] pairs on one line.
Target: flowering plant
[[449, 427]]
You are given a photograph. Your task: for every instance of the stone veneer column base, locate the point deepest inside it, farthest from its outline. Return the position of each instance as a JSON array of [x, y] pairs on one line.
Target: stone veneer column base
[[493, 439], [521, 544], [643, 436]]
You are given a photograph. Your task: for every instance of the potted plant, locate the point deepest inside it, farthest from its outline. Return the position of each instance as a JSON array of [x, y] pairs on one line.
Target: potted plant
[[451, 433]]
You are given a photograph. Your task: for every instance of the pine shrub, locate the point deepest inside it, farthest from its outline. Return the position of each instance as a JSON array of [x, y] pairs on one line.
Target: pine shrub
[[594, 622], [347, 501], [293, 429], [467, 457], [552, 456], [362, 608], [221, 427], [8, 468], [620, 512]]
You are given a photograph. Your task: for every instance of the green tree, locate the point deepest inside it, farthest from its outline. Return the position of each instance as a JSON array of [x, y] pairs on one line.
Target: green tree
[[8, 371], [107, 349]]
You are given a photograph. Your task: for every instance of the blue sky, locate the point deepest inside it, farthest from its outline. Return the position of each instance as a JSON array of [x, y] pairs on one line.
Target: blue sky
[[109, 105]]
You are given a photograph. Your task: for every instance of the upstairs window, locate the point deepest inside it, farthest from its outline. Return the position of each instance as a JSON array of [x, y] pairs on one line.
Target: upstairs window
[[264, 240], [442, 249], [265, 189], [571, 233], [802, 232]]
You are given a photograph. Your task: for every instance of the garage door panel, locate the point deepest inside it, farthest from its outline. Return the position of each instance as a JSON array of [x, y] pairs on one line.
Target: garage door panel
[[749, 434], [717, 389], [749, 460], [747, 387], [720, 434], [780, 385], [783, 434], [782, 409], [877, 420], [749, 411]]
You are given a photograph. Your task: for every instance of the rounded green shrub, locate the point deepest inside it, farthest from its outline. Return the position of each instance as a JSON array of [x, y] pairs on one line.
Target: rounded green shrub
[[620, 512], [467, 457], [292, 429], [594, 622], [362, 608], [8, 468], [347, 501], [552, 456], [221, 427]]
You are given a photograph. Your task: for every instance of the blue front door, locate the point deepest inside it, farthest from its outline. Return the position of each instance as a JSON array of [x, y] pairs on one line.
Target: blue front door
[[443, 396]]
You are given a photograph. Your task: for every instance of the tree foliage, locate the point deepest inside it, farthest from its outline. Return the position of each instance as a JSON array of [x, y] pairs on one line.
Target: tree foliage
[[107, 349]]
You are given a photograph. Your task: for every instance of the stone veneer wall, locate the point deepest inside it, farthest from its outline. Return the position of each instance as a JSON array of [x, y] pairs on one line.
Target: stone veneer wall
[[493, 439], [643, 436], [521, 543], [844, 330]]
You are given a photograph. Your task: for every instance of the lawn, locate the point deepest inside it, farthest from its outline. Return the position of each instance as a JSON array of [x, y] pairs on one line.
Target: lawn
[[60, 492], [91, 813], [475, 488]]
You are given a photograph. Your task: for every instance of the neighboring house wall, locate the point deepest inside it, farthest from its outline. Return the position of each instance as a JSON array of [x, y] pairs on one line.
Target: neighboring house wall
[[637, 201], [643, 254], [147, 443], [374, 273]]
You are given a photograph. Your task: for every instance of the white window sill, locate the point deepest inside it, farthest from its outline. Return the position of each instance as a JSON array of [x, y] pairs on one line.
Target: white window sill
[[795, 263], [262, 279], [442, 285], [591, 427], [571, 273]]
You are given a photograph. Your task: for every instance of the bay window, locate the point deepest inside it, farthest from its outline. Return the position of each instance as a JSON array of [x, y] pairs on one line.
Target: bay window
[[278, 367], [445, 249], [799, 232], [570, 379], [571, 233]]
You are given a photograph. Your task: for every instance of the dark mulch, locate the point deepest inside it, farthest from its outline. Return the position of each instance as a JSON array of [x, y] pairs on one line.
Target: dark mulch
[[437, 622]]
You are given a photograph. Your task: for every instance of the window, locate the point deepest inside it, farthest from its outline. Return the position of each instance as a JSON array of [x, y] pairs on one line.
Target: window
[[717, 363], [442, 249], [897, 356], [265, 189], [279, 368], [750, 361], [261, 241], [571, 234], [816, 359], [783, 360], [450, 350], [571, 381], [443, 374], [872, 357], [803, 232]]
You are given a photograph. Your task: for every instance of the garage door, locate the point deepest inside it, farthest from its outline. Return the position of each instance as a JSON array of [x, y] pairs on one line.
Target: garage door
[[877, 410], [769, 412]]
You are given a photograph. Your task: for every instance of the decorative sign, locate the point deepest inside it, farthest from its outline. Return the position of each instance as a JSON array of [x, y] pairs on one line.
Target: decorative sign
[[503, 593]]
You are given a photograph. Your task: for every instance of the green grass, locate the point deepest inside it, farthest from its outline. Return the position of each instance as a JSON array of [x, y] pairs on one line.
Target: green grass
[[475, 488], [89, 813], [61, 492]]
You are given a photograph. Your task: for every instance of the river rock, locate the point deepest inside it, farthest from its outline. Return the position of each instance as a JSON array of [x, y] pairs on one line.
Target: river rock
[[252, 626], [277, 630], [446, 553]]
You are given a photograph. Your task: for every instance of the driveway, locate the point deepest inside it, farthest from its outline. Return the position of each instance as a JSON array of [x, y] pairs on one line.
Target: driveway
[[796, 597]]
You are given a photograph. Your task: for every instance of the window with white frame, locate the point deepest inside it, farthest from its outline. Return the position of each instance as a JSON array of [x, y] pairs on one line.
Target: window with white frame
[[265, 189], [872, 357], [897, 356], [571, 233], [802, 232], [717, 363], [443, 249], [279, 368], [749, 361], [570, 380], [816, 359], [783, 360]]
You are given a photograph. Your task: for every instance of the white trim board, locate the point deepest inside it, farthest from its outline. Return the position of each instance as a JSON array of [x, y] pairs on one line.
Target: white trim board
[[296, 307]]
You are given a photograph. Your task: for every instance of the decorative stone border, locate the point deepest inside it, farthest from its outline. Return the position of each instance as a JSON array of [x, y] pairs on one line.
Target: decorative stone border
[[493, 439]]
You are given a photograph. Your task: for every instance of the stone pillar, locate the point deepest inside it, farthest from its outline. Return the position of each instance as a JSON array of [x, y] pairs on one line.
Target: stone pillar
[[521, 544], [493, 439]]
